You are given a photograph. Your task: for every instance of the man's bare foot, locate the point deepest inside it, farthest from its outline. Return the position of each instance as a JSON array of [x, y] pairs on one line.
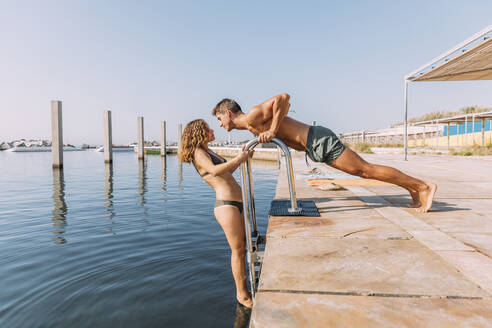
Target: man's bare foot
[[426, 197], [245, 300], [416, 199]]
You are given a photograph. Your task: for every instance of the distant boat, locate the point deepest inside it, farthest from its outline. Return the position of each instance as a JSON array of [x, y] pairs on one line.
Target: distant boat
[[147, 148], [117, 148], [40, 149]]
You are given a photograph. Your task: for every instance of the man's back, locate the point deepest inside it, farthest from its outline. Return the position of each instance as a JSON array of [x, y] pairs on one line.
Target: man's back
[[292, 132]]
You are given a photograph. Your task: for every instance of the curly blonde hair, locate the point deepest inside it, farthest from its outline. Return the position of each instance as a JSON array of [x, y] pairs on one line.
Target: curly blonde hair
[[194, 135]]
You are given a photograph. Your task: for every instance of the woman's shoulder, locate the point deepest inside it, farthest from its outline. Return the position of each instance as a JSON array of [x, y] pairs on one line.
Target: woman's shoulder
[[200, 153]]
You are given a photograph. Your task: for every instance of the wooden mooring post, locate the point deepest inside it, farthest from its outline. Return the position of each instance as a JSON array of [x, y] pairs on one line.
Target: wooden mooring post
[[163, 138], [108, 138], [57, 133], [140, 141]]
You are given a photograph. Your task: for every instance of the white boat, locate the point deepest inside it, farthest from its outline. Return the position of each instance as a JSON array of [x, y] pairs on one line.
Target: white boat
[[39, 149], [147, 148], [119, 148]]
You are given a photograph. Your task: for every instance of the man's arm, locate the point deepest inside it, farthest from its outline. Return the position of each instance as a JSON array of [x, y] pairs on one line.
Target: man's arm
[[278, 108]]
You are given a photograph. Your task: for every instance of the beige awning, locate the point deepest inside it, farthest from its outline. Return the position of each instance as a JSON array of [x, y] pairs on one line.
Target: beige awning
[[467, 61], [472, 64], [471, 60]]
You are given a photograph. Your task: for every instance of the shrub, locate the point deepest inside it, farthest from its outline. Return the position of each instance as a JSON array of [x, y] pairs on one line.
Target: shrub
[[361, 147], [472, 151]]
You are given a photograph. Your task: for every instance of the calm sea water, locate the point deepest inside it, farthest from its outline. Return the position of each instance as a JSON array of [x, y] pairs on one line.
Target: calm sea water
[[132, 246]]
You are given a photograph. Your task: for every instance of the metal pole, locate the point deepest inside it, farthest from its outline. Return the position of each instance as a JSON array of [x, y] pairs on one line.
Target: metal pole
[[251, 196], [490, 135], [423, 138], [473, 130], [405, 140], [483, 132], [461, 133], [57, 133], [437, 135], [108, 138], [449, 124], [163, 138], [247, 227], [466, 130], [140, 141], [290, 178]]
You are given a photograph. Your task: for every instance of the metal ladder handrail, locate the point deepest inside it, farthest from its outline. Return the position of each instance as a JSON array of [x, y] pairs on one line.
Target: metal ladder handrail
[[249, 212]]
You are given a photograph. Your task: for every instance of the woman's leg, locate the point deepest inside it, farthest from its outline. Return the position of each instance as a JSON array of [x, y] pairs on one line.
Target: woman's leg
[[232, 223]]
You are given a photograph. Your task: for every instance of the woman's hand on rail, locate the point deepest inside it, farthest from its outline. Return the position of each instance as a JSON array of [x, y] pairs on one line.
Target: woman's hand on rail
[[245, 155]]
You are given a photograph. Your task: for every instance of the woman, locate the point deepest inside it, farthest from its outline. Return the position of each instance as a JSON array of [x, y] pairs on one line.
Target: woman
[[217, 172]]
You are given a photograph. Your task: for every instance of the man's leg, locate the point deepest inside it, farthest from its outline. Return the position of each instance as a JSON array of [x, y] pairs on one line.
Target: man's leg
[[422, 192]]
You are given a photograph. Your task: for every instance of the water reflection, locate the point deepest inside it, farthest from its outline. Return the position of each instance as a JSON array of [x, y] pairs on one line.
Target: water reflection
[[108, 185], [242, 316], [180, 172], [108, 193], [60, 207], [142, 189], [95, 272], [142, 181], [163, 172]]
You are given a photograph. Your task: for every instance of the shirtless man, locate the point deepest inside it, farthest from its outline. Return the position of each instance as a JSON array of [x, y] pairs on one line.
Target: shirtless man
[[269, 120]]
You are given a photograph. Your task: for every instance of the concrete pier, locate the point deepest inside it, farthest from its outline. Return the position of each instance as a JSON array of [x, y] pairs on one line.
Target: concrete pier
[[370, 261], [108, 137], [163, 138], [140, 141], [57, 133]]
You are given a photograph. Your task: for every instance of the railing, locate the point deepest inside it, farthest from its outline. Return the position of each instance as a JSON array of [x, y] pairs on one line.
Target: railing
[[253, 254]]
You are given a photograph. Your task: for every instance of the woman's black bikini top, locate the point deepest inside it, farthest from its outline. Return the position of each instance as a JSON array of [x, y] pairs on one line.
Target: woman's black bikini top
[[216, 159]]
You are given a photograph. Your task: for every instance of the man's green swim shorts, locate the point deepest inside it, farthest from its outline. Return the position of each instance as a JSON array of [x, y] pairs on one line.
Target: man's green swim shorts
[[323, 145]]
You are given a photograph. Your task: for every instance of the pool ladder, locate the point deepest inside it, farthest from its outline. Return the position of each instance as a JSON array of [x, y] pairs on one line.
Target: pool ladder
[[253, 239]]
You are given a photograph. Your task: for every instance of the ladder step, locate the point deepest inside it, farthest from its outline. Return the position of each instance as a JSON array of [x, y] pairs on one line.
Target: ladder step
[[260, 240], [280, 207]]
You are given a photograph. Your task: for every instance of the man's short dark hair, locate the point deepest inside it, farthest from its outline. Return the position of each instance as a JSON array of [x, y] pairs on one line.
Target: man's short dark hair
[[226, 104]]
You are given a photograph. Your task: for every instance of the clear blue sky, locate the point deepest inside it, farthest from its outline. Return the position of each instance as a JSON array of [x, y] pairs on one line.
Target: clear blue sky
[[342, 62]]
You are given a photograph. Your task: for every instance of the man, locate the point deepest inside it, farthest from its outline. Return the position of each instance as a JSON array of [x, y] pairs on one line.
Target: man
[[269, 120]]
